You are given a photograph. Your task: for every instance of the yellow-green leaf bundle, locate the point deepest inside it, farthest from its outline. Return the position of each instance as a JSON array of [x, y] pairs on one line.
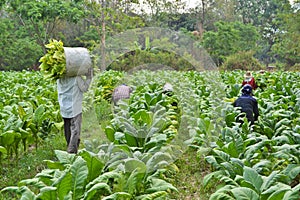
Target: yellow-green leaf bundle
[[53, 63]]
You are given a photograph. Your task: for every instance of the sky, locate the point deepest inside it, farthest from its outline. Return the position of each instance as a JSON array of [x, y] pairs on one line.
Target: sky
[[193, 3], [189, 4]]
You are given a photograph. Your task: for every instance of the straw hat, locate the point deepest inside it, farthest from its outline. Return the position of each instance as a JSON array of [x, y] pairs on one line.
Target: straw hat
[[248, 75]]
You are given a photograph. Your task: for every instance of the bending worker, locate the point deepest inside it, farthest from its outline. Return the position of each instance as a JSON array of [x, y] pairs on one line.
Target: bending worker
[[248, 104]]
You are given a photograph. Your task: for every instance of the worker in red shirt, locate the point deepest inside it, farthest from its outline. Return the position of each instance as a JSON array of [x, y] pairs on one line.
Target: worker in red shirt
[[249, 79]]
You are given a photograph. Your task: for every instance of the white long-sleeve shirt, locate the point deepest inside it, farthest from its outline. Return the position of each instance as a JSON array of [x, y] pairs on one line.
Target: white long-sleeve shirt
[[70, 94]]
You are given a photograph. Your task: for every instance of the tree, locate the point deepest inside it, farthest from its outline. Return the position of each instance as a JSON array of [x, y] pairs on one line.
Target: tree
[[267, 16], [157, 13], [42, 19], [108, 18], [17, 49], [287, 45], [229, 38]]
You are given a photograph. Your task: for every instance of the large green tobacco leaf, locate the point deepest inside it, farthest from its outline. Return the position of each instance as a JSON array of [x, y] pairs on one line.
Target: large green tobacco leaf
[[160, 185], [131, 140], [3, 151], [132, 164], [54, 165], [79, 172], [63, 184], [39, 114], [228, 181], [263, 166], [269, 181], [36, 182], [47, 193], [64, 157], [143, 116], [104, 178], [118, 195], [293, 194], [276, 191], [155, 195], [26, 193], [110, 133], [97, 190], [94, 164], [8, 138], [212, 161], [158, 160], [132, 180], [244, 193], [213, 175], [292, 171], [251, 176], [220, 196]]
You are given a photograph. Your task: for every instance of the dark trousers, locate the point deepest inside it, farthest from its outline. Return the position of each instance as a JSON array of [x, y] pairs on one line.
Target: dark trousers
[[72, 128]]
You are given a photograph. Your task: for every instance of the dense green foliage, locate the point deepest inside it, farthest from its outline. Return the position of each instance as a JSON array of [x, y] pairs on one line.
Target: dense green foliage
[[151, 130], [269, 28], [228, 39], [148, 133], [243, 61], [29, 112]]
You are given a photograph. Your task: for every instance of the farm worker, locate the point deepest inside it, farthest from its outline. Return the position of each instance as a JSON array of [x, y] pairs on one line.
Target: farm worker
[[70, 94], [248, 104], [168, 89], [249, 79], [121, 92]]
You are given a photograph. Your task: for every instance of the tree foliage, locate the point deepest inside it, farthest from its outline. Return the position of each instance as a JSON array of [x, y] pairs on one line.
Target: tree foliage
[[229, 38], [27, 25], [287, 46], [241, 60]]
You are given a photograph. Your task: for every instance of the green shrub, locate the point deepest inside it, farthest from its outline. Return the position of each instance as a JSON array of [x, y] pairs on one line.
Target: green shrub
[[242, 60], [137, 58]]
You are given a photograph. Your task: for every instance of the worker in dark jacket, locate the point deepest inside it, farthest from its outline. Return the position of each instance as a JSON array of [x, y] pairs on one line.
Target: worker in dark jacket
[[248, 104]]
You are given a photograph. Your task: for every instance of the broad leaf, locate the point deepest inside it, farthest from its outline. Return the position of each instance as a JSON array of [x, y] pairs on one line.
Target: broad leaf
[[118, 195], [64, 157], [64, 184], [79, 172], [101, 189], [132, 164], [93, 163], [209, 177], [243, 193], [221, 196], [251, 176], [48, 193]]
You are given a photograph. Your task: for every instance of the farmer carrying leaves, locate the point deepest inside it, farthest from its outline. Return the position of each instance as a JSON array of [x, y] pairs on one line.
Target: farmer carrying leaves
[[70, 95]]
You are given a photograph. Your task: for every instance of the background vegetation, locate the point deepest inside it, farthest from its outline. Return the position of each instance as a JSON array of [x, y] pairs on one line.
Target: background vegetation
[[267, 28], [237, 34]]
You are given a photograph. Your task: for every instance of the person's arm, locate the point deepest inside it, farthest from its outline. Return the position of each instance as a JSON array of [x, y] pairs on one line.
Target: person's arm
[[254, 84], [244, 83], [85, 84]]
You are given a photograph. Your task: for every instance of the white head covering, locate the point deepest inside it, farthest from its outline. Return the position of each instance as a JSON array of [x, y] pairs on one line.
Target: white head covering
[[168, 87]]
